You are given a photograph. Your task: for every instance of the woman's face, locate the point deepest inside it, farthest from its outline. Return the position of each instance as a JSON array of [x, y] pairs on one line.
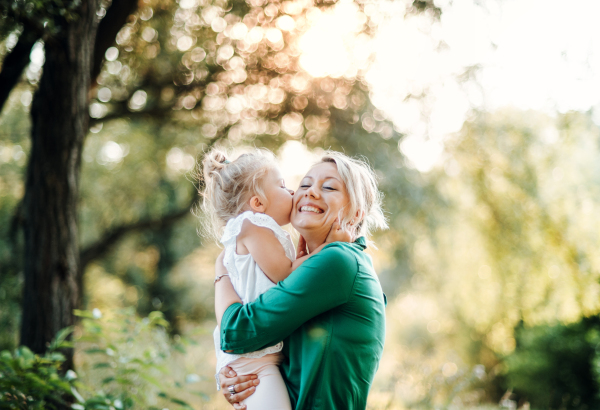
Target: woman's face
[[318, 201]]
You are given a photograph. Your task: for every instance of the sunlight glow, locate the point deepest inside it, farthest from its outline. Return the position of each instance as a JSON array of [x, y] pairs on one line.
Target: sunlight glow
[[331, 46], [295, 160], [428, 75]]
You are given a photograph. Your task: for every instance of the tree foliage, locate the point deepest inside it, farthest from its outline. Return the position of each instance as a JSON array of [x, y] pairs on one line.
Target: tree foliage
[[178, 78], [557, 366]]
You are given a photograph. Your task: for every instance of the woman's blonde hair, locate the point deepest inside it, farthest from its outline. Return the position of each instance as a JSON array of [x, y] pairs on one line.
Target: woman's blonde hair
[[229, 185], [365, 197]]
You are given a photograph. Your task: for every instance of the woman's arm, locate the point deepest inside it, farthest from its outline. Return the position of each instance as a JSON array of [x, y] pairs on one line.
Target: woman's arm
[[225, 294], [324, 281]]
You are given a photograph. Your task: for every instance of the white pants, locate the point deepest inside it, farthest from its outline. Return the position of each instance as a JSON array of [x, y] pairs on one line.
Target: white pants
[[271, 393]]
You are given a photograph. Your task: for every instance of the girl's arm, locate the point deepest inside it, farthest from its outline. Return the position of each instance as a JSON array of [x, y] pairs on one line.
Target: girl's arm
[[225, 294], [266, 250]]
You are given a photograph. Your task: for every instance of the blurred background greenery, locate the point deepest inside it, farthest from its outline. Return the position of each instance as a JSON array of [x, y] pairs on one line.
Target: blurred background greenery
[[489, 265]]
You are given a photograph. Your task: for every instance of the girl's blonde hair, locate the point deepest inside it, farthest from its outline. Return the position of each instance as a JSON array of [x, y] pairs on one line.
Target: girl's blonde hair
[[365, 197], [229, 185]]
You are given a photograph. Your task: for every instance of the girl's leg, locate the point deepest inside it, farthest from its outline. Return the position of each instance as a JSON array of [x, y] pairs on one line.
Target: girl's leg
[[271, 393]]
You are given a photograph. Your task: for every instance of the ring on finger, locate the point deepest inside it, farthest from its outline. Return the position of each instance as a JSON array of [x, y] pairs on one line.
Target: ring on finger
[[231, 389]]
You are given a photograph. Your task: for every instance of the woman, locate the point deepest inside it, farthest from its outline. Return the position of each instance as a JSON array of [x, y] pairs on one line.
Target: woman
[[330, 312]]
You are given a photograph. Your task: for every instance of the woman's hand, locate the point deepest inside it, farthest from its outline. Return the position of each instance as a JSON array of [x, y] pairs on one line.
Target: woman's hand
[[336, 234], [301, 249], [244, 386]]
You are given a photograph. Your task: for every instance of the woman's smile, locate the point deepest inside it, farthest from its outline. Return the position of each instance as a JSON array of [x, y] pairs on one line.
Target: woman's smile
[[310, 208]]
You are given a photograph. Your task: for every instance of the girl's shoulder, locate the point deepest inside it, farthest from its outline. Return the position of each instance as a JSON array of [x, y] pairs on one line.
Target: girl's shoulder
[[235, 225]]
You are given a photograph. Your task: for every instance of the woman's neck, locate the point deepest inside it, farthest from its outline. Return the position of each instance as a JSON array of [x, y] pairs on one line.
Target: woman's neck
[[314, 239]]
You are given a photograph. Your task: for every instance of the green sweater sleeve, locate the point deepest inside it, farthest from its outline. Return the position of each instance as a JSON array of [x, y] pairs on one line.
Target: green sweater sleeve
[[321, 283]]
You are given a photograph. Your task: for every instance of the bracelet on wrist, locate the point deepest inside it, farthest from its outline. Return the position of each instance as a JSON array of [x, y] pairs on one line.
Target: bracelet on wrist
[[218, 278]]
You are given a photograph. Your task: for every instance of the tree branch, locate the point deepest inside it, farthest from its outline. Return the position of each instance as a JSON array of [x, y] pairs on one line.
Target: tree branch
[[110, 238], [115, 18], [155, 113], [14, 64]]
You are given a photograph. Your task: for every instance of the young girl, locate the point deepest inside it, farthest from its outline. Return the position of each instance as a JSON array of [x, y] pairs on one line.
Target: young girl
[[249, 198]]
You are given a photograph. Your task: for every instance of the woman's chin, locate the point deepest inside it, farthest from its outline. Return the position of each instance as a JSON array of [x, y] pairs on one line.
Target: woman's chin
[[304, 222], [308, 222]]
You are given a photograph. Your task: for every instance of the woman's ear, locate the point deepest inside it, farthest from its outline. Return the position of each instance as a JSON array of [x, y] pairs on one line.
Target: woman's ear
[[257, 205], [360, 215]]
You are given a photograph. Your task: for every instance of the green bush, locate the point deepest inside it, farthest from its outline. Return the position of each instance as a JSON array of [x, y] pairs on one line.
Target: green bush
[[126, 357], [557, 367], [30, 381]]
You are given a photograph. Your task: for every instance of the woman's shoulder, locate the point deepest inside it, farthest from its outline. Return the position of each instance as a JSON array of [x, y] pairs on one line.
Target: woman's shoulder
[[340, 256], [350, 255]]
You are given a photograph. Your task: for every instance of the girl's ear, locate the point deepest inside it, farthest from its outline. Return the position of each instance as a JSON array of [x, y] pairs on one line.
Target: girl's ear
[[257, 205]]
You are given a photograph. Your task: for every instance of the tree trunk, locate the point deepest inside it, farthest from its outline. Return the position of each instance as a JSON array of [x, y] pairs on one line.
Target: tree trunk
[[14, 64], [59, 124]]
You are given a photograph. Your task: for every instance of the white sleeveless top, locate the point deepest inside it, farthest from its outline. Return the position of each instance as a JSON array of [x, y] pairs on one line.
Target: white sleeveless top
[[248, 280]]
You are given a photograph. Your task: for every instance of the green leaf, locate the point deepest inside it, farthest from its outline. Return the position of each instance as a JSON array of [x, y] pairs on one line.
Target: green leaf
[[60, 338], [78, 396], [57, 357], [95, 350], [202, 394], [123, 381], [83, 313], [180, 402], [160, 368], [108, 380], [151, 380]]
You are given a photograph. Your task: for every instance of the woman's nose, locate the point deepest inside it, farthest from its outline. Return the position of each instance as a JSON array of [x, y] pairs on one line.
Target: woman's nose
[[291, 191], [312, 192]]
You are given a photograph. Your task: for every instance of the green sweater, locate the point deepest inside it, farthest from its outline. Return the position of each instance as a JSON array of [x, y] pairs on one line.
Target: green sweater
[[330, 313]]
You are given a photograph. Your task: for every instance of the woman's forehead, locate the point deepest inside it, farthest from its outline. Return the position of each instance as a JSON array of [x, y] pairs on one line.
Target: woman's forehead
[[323, 170]]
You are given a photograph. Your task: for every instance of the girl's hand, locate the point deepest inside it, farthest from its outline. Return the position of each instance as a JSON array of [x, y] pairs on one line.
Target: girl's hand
[[244, 386], [301, 249]]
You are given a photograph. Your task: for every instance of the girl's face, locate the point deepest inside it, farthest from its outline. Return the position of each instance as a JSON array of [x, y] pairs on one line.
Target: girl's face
[[319, 200], [279, 198]]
